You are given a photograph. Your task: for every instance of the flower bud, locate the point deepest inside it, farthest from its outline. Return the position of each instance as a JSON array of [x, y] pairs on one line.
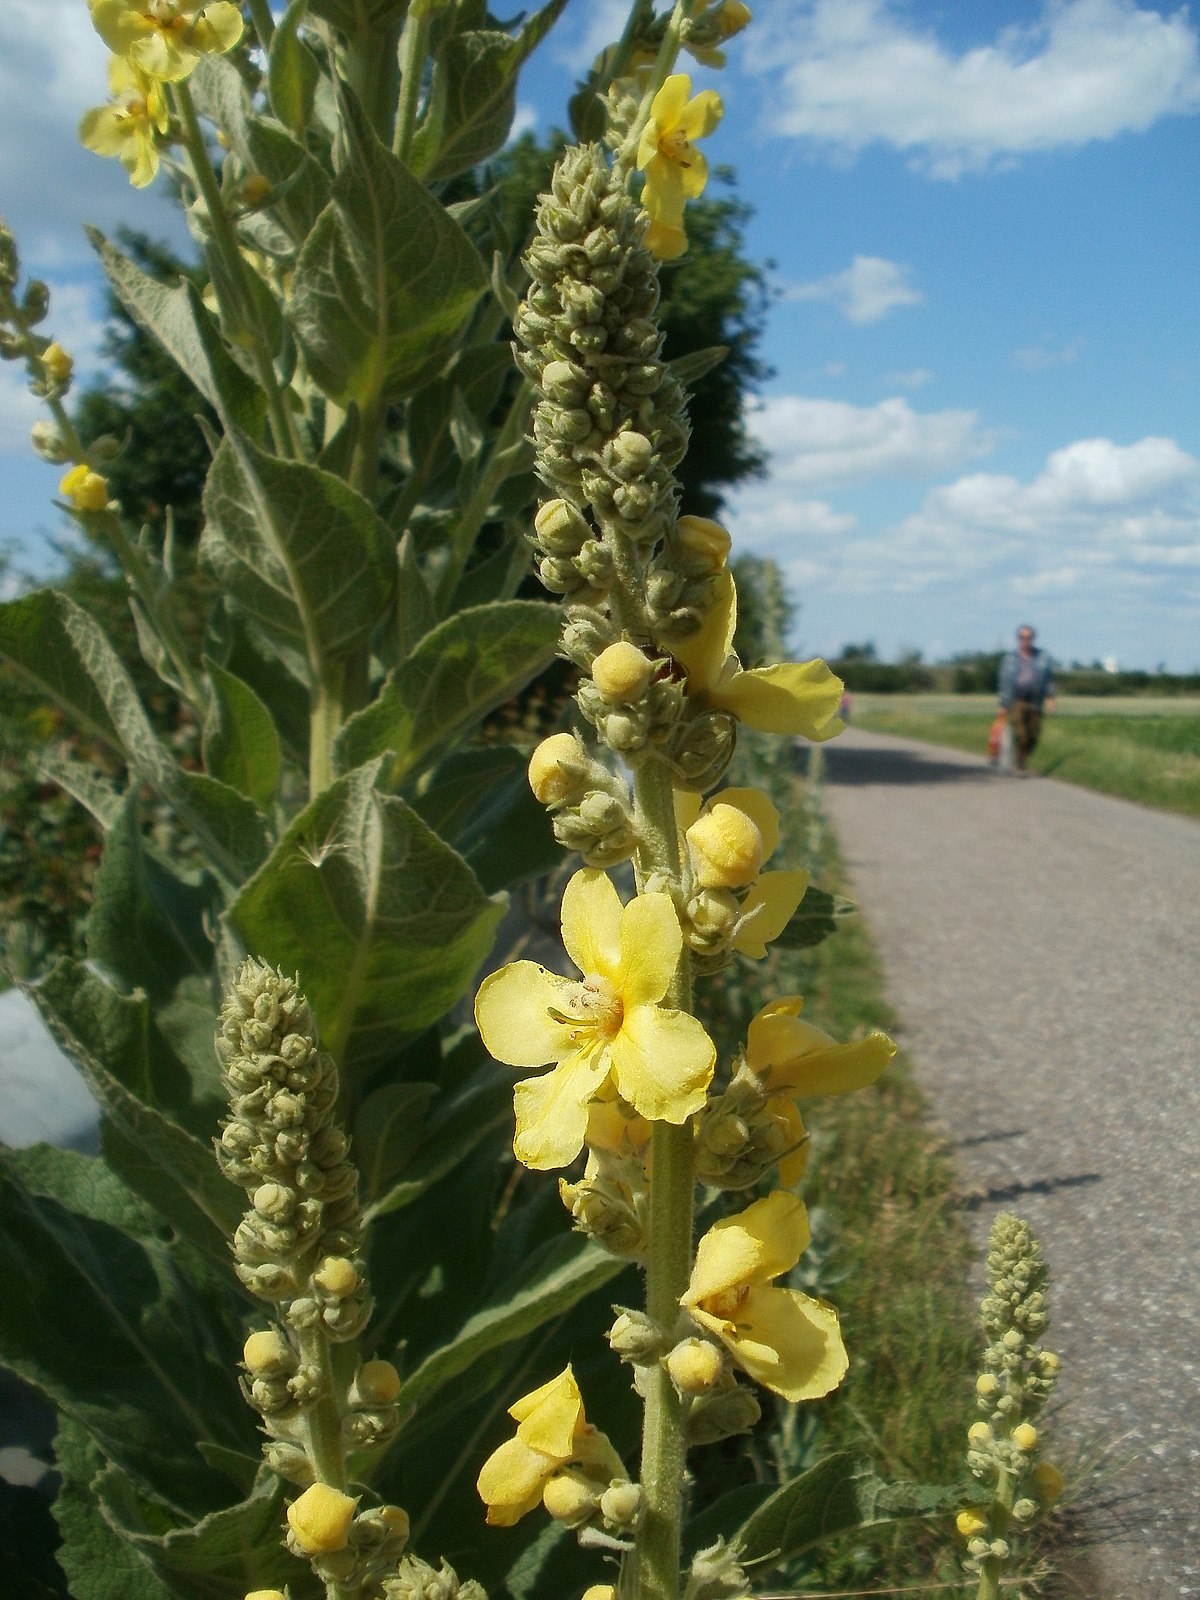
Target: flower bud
[[635, 1337], [564, 382], [558, 769], [57, 365], [570, 1498], [289, 1461], [695, 1365], [254, 190], [1025, 1437], [986, 1386], [600, 1591], [970, 1523], [268, 1353], [265, 1594], [85, 489], [1025, 1510], [336, 1277], [620, 1504], [630, 455], [732, 16], [722, 1413], [980, 1435], [320, 1519], [560, 528], [377, 1383], [705, 541], [726, 848], [1047, 1482], [622, 673], [49, 443]]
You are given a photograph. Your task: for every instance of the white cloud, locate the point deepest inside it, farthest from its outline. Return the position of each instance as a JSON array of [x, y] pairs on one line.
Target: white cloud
[[864, 291], [858, 72], [1038, 357], [606, 20], [913, 378], [827, 443]]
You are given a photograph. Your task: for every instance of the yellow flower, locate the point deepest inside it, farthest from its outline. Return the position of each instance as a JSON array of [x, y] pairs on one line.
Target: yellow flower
[[971, 1522], [165, 38], [675, 170], [795, 1059], [793, 698], [320, 1519], [734, 831], [57, 364], [785, 1340], [610, 1021], [552, 1434], [127, 128], [85, 489]]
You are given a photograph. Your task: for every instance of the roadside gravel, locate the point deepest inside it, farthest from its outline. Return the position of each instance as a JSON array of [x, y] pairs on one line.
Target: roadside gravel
[[1042, 946]]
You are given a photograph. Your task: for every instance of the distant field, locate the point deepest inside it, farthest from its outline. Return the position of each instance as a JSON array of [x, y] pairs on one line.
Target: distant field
[[1140, 749]]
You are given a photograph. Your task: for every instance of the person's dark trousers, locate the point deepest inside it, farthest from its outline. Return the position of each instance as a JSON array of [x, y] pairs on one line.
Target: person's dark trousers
[[1026, 719]]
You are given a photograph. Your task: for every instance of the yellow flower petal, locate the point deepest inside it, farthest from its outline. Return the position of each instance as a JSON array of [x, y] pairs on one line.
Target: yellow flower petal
[[789, 1343], [510, 1482], [552, 1111], [794, 698], [651, 943], [665, 242], [512, 1011], [703, 655], [670, 103], [549, 1416], [767, 910], [591, 923], [766, 1239], [839, 1069], [794, 1164], [218, 28], [694, 173], [701, 115], [662, 1063], [105, 131], [687, 809]]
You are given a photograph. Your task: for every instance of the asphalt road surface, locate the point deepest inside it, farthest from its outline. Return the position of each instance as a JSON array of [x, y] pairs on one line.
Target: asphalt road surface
[[1042, 946]]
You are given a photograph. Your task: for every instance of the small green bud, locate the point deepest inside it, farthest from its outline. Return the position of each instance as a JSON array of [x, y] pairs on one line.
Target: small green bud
[[620, 1504]]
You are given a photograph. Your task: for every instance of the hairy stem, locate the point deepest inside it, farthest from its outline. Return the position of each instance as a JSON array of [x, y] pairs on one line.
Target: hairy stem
[[413, 44]]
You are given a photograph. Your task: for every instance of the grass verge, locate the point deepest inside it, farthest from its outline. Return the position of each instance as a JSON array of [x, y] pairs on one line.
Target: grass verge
[[1146, 755], [898, 1255]]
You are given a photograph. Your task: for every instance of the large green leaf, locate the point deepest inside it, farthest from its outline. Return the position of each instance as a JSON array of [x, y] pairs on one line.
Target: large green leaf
[[146, 925], [146, 1092], [227, 1553], [480, 800], [383, 921], [472, 98], [562, 1276], [836, 1495], [387, 1130], [99, 1564], [301, 552], [85, 1185], [461, 670], [177, 319], [385, 279], [62, 652], [457, 1129], [292, 70], [241, 743], [93, 1318]]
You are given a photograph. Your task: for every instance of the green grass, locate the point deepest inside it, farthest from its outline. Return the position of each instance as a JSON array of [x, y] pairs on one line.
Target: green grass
[[898, 1254], [1147, 750]]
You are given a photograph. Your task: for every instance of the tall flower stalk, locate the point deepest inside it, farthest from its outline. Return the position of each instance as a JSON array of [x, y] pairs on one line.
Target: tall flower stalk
[[649, 610]]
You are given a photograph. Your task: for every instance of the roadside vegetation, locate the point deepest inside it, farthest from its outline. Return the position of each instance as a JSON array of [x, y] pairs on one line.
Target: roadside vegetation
[[1140, 748]]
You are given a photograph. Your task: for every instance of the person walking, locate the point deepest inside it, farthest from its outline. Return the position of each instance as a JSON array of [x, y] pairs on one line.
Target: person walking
[[1025, 689]]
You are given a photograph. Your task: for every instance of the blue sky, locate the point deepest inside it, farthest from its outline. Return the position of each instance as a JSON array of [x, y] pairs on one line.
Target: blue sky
[[986, 326]]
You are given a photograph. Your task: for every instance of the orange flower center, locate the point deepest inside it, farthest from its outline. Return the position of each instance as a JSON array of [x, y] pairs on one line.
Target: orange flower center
[[596, 1006], [727, 1303], [674, 145]]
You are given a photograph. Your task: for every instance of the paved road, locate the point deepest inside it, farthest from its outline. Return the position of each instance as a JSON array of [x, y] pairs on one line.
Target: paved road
[[1042, 946]]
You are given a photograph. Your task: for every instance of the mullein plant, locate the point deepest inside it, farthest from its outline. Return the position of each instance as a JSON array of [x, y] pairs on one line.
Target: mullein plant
[[627, 1072], [1003, 1454]]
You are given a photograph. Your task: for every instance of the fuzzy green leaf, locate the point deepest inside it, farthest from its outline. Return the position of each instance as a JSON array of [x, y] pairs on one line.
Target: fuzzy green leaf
[[292, 70], [815, 918], [384, 281], [460, 670], [142, 1380], [384, 922], [142, 1087], [301, 552], [241, 743], [472, 97], [99, 1564], [569, 1270], [697, 364], [453, 1133], [836, 1495], [387, 1129], [177, 319], [84, 1185]]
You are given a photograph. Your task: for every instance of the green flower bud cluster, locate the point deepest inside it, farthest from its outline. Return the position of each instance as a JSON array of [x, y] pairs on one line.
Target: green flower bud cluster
[[682, 576], [609, 1203], [349, 1550], [416, 1580], [739, 1137], [630, 699], [283, 1147], [714, 1405], [589, 806], [1017, 1377]]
